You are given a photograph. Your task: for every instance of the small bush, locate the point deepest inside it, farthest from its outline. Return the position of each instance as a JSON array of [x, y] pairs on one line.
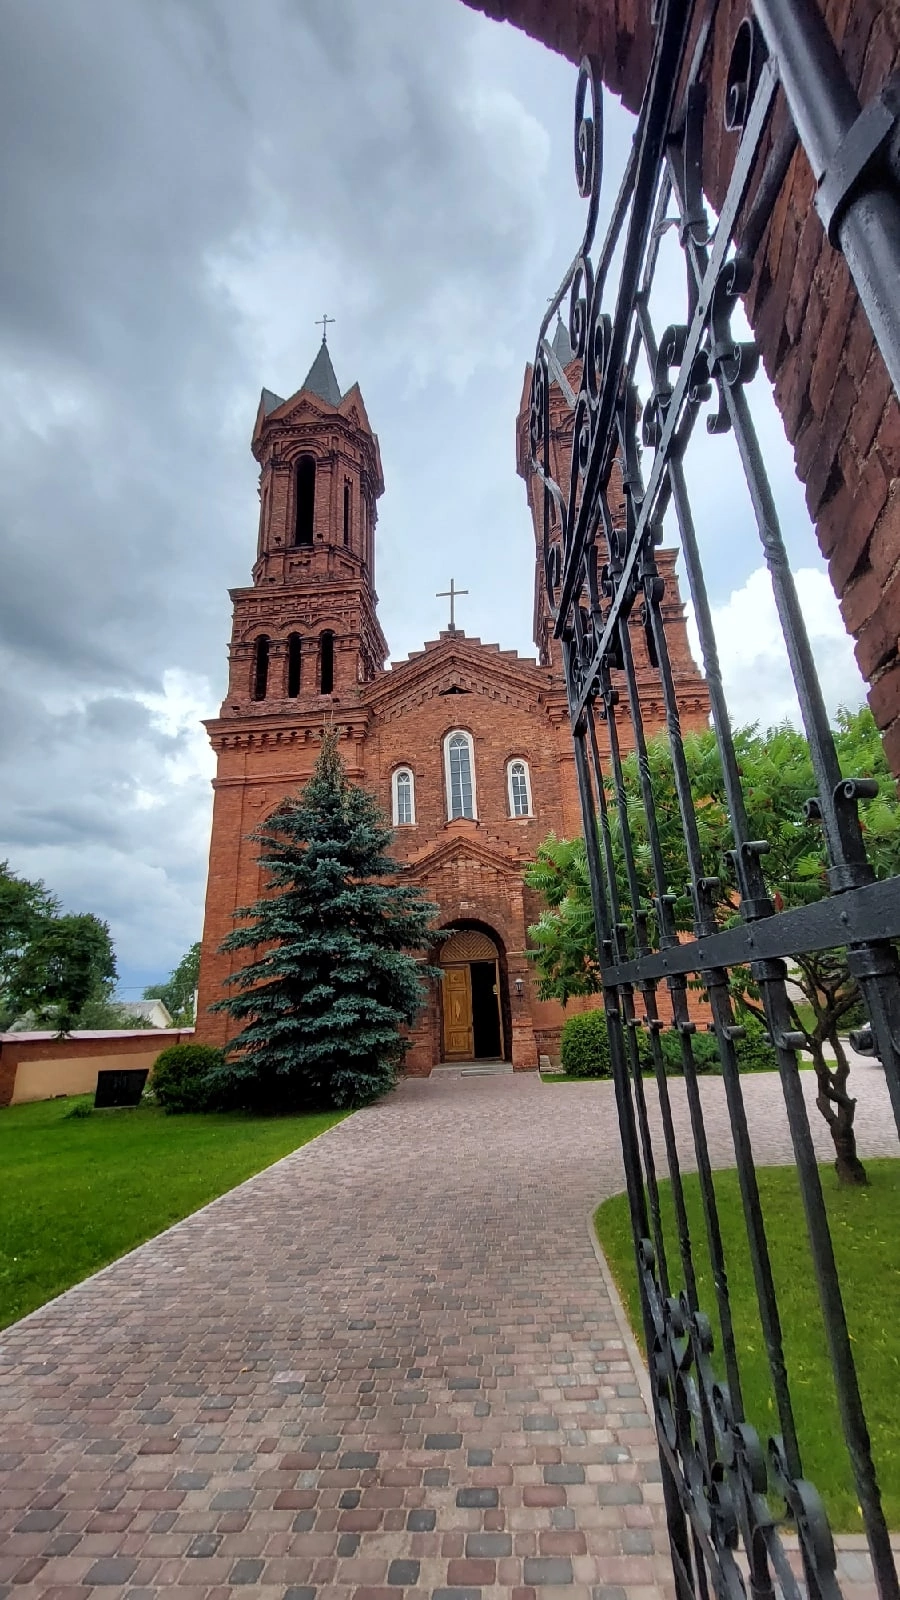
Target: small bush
[[82, 1108], [706, 1054], [181, 1077], [755, 1051], [584, 1047]]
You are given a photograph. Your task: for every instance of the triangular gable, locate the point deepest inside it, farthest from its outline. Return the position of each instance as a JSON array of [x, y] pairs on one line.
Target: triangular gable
[[454, 663], [456, 848]]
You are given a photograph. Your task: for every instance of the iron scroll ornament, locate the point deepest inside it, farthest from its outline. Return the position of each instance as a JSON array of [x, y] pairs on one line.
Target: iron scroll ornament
[[723, 1486]]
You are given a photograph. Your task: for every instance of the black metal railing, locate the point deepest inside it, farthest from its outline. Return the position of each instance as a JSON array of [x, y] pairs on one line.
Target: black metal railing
[[723, 1485]]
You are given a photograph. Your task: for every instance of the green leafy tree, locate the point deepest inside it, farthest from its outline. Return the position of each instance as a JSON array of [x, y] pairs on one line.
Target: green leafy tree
[[68, 961], [332, 975], [177, 993], [778, 779], [25, 905], [564, 948]]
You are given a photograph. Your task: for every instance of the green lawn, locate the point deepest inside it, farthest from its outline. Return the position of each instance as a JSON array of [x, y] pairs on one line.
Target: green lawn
[[76, 1193], [865, 1225]]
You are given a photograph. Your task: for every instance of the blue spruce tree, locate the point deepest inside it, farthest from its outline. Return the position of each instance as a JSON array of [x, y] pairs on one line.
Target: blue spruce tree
[[332, 975]]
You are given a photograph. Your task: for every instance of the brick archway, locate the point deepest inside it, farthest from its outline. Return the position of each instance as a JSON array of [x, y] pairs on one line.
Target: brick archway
[[831, 387], [483, 936]]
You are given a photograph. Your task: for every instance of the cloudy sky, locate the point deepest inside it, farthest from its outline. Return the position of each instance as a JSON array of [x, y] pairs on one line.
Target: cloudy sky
[[188, 185]]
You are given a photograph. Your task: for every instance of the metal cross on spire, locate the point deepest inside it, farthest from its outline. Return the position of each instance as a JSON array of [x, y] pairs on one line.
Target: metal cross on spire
[[323, 322], [451, 594]]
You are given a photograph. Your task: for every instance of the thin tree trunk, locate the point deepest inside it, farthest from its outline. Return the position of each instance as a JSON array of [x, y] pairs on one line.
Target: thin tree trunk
[[838, 1108]]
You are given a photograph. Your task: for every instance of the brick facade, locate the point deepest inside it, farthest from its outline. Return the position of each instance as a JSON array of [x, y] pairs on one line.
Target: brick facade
[[831, 386], [267, 736]]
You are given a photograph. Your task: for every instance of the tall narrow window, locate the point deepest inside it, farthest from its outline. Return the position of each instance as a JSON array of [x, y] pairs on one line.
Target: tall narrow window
[[263, 519], [326, 663], [261, 668], [293, 672], [305, 496], [519, 789], [346, 510], [404, 798], [460, 774]]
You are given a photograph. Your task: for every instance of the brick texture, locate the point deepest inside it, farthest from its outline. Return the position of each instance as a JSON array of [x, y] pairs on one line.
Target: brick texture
[[511, 707], [817, 347]]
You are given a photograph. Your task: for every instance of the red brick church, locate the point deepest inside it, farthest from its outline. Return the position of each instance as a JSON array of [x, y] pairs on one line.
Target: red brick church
[[467, 746]]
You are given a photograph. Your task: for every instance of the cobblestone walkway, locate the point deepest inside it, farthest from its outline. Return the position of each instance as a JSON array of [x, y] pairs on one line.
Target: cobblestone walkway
[[386, 1366]]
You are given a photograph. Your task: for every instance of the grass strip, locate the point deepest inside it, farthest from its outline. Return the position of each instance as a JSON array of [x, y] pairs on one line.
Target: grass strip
[[865, 1225]]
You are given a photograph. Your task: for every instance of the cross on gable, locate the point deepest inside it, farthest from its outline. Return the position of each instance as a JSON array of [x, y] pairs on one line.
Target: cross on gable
[[451, 594]]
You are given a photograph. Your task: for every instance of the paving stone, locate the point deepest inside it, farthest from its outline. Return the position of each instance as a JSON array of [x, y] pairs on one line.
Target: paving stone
[[111, 1569], [637, 1542], [206, 1401], [421, 1521], [63, 1544], [490, 1545], [191, 1480], [564, 1472], [619, 1494], [232, 1500], [548, 1569], [401, 1573], [247, 1570], [477, 1498], [204, 1545], [358, 1460], [39, 1521]]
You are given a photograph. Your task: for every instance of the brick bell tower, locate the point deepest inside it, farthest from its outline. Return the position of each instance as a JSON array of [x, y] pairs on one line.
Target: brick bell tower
[[305, 636]]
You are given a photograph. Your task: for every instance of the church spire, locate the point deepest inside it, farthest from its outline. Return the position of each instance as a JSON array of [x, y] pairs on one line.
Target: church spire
[[320, 378]]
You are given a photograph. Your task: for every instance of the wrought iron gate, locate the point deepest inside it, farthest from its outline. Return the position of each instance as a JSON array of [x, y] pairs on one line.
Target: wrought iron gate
[[722, 1483]]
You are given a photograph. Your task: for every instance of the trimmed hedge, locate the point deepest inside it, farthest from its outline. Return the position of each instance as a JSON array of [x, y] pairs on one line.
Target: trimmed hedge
[[584, 1049], [181, 1076]]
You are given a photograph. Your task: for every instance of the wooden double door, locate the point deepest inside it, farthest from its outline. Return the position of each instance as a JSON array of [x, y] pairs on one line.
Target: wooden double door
[[472, 1025]]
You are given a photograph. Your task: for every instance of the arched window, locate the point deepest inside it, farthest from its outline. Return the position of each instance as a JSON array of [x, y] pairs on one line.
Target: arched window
[[293, 669], [403, 795], [519, 784], [261, 668], [347, 488], [459, 765], [305, 497], [326, 662]]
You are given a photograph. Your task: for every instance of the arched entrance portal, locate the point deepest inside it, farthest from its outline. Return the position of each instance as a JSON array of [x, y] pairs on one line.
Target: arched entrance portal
[[472, 1027]]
